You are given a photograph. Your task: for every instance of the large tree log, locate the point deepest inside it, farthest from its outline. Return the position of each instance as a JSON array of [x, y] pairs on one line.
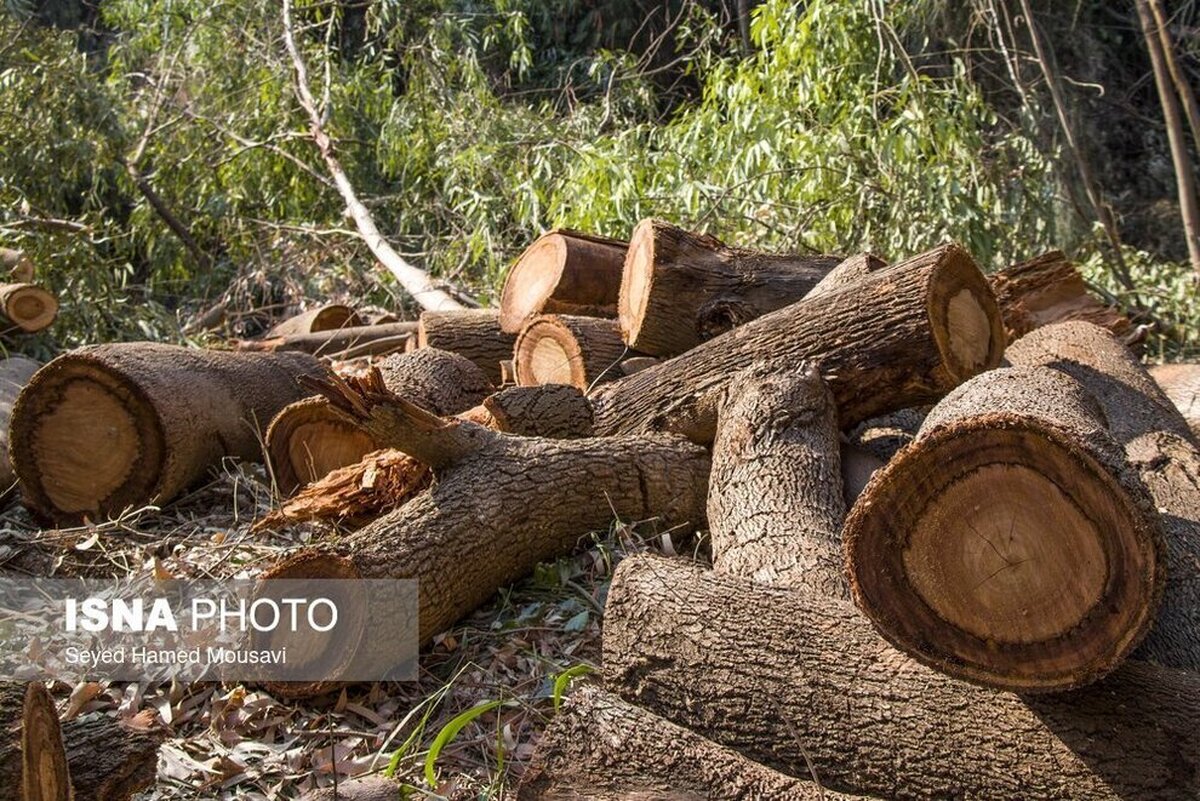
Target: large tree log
[[1159, 446], [899, 338], [108, 761], [1049, 289], [473, 333], [600, 748], [105, 428], [33, 762], [364, 340], [1181, 384], [564, 349], [1009, 544], [563, 272], [323, 318], [791, 678], [679, 289], [26, 307], [500, 504], [16, 267], [15, 372], [775, 500]]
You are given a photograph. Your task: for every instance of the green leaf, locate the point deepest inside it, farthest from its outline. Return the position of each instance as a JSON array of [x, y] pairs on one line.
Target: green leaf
[[562, 680], [448, 733]]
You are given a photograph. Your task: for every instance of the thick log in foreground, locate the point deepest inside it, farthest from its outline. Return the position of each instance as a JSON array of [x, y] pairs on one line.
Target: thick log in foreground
[[679, 288], [563, 272], [15, 266], [105, 428], [600, 748], [776, 500], [109, 762], [564, 349], [1009, 544], [26, 307], [1159, 447], [499, 506], [899, 338], [323, 318], [472, 333], [15, 372], [793, 679], [33, 761], [367, 340], [1181, 384]]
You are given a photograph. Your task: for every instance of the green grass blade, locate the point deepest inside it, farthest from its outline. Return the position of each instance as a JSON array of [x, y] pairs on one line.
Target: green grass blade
[[448, 733]]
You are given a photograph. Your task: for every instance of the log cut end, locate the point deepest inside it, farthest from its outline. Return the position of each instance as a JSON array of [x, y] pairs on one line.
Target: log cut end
[[563, 272], [45, 775], [531, 281], [967, 323], [562, 349], [308, 440], [637, 280], [28, 307], [997, 550]]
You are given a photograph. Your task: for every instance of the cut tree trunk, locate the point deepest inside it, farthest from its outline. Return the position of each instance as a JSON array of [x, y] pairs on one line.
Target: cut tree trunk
[[555, 411], [899, 338], [775, 500], [679, 289], [108, 761], [16, 266], [106, 428], [499, 505], [15, 372], [27, 307], [1050, 289], [563, 272], [309, 439], [473, 333], [323, 318], [367, 340], [1181, 384], [1009, 544], [600, 748], [564, 349], [795, 679], [33, 762], [1160, 448]]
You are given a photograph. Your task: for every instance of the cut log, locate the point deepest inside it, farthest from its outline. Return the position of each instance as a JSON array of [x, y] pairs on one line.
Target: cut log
[[564, 349], [364, 340], [105, 428], [308, 440], [849, 271], [1010, 544], [563, 272], [1181, 384], [555, 411], [1159, 447], [108, 761], [899, 338], [33, 762], [1050, 289], [323, 318], [473, 333], [791, 679], [26, 307], [679, 289], [15, 266], [600, 748], [775, 500], [500, 504], [15, 372]]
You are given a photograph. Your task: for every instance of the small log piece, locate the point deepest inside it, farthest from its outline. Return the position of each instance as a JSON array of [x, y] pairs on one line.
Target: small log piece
[[563, 272]]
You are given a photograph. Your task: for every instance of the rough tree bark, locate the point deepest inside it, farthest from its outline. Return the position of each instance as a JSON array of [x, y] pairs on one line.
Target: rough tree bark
[[563, 272], [1181, 384], [1159, 447], [565, 349], [793, 679], [847, 272], [108, 427], [473, 333], [1050, 289], [679, 289], [27, 307], [15, 372], [33, 762], [895, 339], [775, 500], [367, 340], [109, 762], [1009, 544], [323, 318]]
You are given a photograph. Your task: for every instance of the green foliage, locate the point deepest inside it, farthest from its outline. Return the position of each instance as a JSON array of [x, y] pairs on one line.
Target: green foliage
[[449, 732], [563, 680]]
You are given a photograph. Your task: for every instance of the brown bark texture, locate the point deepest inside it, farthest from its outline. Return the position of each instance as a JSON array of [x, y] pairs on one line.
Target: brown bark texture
[[329, 317], [33, 761], [1050, 289], [566, 349], [849, 271], [364, 340], [26, 307], [472, 333], [108, 761], [1181, 384], [15, 372]]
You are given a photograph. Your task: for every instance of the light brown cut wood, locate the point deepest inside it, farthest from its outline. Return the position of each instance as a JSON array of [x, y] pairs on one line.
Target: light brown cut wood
[[1159, 446], [1050, 289], [1009, 544], [329, 317], [33, 762], [472, 333], [109, 762], [679, 288], [27, 307], [899, 338], [106, 428], [775, 499], [563, 272], [792, 679], [1181, 384], [15, 372], [16, 266], [362, 340], [564, 349]]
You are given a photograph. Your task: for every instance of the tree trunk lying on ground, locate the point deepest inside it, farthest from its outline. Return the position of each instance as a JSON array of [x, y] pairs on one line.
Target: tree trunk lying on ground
[[1160, 448], [473, 333], [109, 762], [308, 440], [898, 338], [679, 289], [1049, 289], [600, 748], [775, 499], [15, 372], [15, 266], [563, 272], [26, 307], [367, 340], [792, 678], [105, 428], [564, 349], [323, 318], [1009, 544], [33, 762], [500, 504], [1181, 384]]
